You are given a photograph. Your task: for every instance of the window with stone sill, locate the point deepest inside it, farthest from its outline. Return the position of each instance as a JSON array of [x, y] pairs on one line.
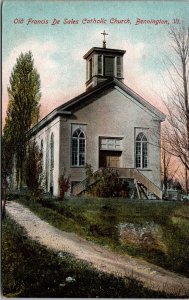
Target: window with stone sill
[[52, 151], [78, 148], [41, 162], [141, 151]]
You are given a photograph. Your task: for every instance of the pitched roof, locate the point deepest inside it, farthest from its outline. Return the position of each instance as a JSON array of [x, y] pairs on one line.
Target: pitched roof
[[83, 99]]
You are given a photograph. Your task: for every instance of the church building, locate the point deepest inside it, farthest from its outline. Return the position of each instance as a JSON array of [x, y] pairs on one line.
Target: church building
[[107, 126]]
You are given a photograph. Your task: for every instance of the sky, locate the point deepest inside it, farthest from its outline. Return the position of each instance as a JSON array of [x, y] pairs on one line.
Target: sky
[[58, 49]]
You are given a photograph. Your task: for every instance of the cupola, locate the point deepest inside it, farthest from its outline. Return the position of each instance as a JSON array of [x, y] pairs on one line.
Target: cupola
[[102, 64]]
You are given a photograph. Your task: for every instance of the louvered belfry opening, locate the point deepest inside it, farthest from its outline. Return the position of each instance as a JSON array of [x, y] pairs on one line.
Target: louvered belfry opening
[[103, 64]]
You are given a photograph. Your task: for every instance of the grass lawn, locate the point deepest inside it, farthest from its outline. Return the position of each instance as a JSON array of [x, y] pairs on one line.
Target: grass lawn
[[98, 220], [30, 270]]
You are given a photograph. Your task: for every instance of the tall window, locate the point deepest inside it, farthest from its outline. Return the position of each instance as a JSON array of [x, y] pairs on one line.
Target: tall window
[[141, 151], [52, 151], [78, 148], [41, 164]]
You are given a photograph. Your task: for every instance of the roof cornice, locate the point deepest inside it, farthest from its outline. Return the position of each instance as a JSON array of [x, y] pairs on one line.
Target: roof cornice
[[45, 121], [65, 108], [104, 50]]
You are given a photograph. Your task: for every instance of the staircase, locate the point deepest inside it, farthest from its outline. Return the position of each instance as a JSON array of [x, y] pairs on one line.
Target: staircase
[[148, 187]]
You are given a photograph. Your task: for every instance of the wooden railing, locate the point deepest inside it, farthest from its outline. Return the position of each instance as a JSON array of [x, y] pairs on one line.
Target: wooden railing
[[140, 178], [122, 173], [81, 186]]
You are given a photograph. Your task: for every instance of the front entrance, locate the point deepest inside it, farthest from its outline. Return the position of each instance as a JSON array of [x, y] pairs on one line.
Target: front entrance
[[110, 159]]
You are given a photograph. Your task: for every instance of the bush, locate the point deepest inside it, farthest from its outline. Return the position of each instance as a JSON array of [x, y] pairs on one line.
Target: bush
[[107, 183], [64, 185], [32, 169]]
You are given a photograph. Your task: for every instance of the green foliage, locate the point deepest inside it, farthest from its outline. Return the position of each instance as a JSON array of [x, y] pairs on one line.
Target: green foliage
[[88, 170], [23, 106], [30, 270], [97, 219], [107, 183], [32, 168], [102, 223], [6, 168], [6, 156], [64, 184]]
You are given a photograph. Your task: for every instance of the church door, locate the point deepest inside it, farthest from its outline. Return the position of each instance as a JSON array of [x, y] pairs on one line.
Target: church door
[[110, 159]]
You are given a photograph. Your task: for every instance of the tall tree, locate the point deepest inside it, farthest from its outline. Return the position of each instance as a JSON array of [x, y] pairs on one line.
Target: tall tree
[[6, 168], [176, 132], [23, 107], [32, 168], [169, 167]]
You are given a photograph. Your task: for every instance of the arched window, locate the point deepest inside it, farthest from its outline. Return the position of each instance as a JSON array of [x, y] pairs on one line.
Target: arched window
[[141, 151], [52, 151], [41, 156], [78, 148]]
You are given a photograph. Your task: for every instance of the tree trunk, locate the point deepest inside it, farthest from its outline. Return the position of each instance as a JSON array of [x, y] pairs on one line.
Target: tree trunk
[[19, 179], [4, 198], [186, 180]]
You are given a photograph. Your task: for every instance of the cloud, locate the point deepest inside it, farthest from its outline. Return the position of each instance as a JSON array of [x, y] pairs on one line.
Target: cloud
[[47, 56], [146, 82], [62, 72]]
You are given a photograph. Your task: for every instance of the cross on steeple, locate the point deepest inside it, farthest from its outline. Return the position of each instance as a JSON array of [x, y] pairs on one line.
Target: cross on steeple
[[104, 41]]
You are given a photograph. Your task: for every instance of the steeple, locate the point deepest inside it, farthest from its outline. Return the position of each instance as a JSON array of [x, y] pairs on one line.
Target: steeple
[[102, 64]]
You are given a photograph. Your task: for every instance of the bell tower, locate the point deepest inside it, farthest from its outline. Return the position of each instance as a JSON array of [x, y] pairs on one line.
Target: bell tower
[[102, 64]]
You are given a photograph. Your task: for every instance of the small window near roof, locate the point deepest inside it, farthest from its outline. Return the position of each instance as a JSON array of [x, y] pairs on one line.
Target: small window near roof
[[100, 65], [119, 67], [90, 67], [109, 66]]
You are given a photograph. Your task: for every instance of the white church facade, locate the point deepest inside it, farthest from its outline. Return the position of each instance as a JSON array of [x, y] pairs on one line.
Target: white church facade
[[109, 125]]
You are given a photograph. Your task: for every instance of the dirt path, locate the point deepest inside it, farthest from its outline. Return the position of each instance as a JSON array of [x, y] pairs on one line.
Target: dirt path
[[102, 259]]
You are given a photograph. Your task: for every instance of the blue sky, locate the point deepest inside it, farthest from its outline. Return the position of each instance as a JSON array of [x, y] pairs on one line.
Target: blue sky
[[58, 50]]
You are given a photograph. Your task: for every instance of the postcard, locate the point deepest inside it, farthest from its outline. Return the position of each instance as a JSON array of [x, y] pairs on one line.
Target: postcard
[[95, 161]]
